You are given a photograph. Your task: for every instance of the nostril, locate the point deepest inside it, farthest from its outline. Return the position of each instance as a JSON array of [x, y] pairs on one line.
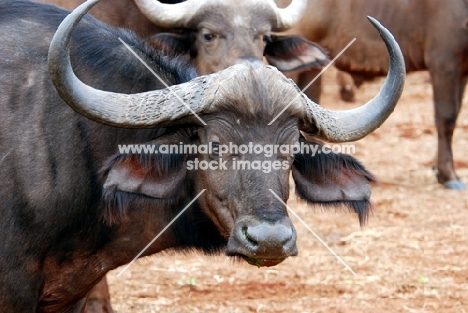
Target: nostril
[[263, 244], [268, 235], [247, 237]]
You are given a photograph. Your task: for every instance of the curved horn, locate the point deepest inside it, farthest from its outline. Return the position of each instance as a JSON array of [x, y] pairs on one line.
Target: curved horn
[[289, 16], [155, 108], [351, 125], [168, 15]]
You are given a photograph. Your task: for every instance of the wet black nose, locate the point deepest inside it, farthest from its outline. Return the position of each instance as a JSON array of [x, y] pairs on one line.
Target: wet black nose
[[264, 243], [268, 237]]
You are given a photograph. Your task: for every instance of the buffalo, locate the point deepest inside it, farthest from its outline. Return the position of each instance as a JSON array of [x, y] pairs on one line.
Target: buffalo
[[433, 36], [74, 206], [208, 33]]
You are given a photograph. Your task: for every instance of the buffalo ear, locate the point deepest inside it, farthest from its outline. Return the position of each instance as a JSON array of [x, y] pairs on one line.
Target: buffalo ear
[[327, 178], [292, 53], [149, 176], [132, 180]]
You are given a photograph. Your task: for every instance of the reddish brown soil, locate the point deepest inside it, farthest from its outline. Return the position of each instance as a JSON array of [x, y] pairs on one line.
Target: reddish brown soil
[[411, 257]]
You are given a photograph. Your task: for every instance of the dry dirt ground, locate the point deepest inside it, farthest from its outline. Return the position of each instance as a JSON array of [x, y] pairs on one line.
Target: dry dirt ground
[[412, 256]]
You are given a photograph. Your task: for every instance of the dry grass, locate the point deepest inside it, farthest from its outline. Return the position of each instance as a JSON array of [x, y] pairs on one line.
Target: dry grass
[[411, 257]]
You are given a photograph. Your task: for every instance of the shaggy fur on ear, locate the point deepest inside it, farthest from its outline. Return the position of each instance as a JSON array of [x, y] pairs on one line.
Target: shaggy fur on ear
[[117, 203], [334, 169]]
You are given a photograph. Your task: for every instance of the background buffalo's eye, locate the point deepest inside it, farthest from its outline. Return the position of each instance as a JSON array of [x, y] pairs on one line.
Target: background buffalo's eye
[[209, 37]]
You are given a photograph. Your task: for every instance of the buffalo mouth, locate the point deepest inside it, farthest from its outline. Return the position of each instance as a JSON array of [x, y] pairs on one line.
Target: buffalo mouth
[[259, 262]]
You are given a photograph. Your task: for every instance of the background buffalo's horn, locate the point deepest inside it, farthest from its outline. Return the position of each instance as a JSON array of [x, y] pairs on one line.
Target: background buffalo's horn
[[289, 16], [155, 108], [169, 15], [354, 124]]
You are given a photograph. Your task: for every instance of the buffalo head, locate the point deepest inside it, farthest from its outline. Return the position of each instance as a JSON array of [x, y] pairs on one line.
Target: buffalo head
[[235, 106], [217, 34]]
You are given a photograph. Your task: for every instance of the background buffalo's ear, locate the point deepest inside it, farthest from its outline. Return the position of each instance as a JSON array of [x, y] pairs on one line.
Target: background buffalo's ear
[[292, 53], [172, 43], [328, 178]]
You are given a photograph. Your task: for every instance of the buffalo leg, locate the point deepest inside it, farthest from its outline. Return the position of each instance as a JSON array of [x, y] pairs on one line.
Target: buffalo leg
[[99, 299], [448, 94], [345, 81], [346, 86]]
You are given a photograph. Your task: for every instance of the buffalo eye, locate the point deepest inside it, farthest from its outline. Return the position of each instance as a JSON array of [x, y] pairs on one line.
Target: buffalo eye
[[214, 148], [208, 37]]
